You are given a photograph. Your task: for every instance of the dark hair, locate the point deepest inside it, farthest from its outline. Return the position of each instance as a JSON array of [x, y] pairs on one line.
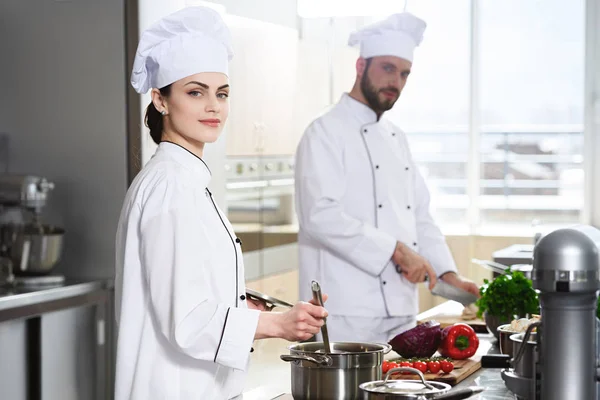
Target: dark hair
[[154, 120]]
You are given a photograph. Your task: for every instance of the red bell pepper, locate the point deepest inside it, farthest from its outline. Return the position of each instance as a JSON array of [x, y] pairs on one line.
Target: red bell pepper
[[459, 342]]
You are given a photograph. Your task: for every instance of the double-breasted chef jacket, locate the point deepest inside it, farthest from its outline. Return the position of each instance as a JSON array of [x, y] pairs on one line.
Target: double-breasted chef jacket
[[185, 331], [358, 192]]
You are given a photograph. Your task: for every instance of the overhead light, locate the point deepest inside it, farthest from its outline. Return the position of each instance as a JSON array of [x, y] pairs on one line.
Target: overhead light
[[347, 8]]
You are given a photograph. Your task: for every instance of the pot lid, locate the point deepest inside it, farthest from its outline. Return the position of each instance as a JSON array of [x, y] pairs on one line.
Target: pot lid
[[405, 386]]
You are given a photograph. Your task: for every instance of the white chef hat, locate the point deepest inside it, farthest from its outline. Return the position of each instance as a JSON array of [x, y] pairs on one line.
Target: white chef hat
[[398, 35], [187, 42]]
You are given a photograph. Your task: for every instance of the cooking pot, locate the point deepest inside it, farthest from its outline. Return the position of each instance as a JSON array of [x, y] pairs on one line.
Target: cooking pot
[[524, 365], [413, 389], [317, 375]]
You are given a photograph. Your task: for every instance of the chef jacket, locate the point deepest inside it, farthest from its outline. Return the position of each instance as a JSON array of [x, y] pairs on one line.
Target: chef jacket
[[358, 192], [184, 329]]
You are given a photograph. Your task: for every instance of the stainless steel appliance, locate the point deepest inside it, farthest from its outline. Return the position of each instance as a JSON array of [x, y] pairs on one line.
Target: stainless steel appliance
[[560, 360], [25, 191], [260, 205], [260, 190], [27, 246]]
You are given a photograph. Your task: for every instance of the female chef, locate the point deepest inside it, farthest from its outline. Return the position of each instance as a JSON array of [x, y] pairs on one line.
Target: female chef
[[185, 326]]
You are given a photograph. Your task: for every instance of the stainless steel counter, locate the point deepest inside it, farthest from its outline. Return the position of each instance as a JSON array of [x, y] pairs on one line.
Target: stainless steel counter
[[69, 324], [23, 302]]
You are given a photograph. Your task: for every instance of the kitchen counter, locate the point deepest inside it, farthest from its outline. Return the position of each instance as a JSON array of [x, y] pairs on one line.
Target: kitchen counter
[[24, 301], [68, 324], [488, 378]]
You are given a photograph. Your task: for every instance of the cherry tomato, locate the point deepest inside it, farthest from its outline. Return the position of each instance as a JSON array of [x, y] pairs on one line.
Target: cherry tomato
[[392, 365], [421, 366], [406, 364], [447, 366], [385, 367], [434, 366]]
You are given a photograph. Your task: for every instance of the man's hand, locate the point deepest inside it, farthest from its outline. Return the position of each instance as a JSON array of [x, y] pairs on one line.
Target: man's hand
[[413, 266], [460, 282]]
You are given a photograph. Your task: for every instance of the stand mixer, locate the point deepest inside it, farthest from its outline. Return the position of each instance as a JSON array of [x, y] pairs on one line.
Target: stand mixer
[[560, 360], [27, 247]]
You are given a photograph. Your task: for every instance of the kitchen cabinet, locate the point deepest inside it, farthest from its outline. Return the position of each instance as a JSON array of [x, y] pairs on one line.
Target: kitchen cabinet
[[69, 354], [13, 359], [58, 342], [263, 78], [312, 90]]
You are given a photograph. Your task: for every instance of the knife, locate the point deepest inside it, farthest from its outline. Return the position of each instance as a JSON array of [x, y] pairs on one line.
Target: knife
[[451, 292]]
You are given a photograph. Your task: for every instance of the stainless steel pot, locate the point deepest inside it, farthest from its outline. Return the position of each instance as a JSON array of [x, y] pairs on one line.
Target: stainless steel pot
[[523, 365], [504, 334], [33, 249], [317, 375], [413, 389]]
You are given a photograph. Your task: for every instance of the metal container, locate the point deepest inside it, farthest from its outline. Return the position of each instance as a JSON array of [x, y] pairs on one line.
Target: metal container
[[524, 366], [506, 345], [33, 250], [336, 375]]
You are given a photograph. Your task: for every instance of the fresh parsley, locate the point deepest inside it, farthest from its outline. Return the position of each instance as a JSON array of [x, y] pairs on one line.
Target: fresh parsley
[[507, 296]]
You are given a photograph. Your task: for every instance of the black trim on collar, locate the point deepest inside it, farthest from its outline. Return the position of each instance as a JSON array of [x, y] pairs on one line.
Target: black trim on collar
[[176, 144]]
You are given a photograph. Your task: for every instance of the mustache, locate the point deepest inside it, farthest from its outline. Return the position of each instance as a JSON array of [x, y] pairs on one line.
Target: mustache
[[390, 89]]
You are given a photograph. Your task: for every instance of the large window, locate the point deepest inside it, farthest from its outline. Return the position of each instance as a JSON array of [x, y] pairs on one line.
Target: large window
[[531, 111], [494, 108]]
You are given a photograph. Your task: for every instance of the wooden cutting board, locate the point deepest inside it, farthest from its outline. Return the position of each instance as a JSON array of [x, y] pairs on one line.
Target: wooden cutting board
[[450, 313], [478, 325], [462, 368]]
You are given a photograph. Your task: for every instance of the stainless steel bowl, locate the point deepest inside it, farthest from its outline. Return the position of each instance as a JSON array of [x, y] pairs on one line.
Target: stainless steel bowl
[[504, 334], [33, 249]]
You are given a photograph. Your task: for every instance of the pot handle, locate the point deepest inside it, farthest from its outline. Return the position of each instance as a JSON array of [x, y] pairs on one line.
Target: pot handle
[[323, 360], [411, 370], [386, 347], [495, 361], [521, 350], [460, 394]]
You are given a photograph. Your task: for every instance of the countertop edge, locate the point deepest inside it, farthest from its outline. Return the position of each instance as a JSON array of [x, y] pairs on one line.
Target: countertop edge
[[72, 293]]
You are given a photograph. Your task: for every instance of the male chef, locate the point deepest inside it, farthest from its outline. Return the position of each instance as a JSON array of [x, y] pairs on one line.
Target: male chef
[[366, 233]]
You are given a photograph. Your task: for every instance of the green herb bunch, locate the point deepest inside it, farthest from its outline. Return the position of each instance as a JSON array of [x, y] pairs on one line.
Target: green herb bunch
[[510, 294]]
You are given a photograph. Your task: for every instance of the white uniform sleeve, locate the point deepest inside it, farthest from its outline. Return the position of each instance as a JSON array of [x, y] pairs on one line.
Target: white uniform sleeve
[[432, 243], [175, 253], [319, 190]]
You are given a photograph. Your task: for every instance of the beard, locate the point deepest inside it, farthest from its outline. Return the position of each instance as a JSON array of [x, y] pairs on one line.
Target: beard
[[371, 94]]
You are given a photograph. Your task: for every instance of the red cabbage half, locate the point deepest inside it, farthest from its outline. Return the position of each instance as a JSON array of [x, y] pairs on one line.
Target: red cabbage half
[[421, 341]]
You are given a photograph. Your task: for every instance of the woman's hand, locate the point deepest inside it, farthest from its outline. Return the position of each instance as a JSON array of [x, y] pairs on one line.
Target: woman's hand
[[255, 304], [302, 322]]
